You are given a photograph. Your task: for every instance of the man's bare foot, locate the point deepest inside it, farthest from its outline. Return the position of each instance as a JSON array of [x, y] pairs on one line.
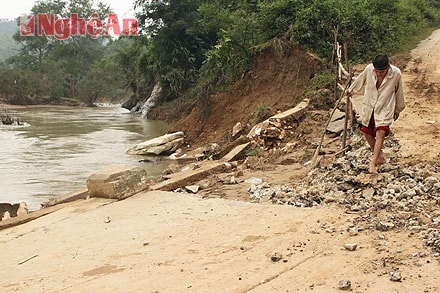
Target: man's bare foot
[[381, 160], [372, 168]]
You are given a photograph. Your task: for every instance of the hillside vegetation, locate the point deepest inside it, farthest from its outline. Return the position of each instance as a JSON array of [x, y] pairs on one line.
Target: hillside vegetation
[[196, 48]]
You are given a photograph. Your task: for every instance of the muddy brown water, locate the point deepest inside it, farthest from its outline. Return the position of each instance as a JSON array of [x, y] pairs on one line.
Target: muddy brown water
[[54, 150]]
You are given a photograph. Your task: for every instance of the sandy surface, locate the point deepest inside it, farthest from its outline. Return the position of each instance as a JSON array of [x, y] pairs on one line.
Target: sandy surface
[[168, 242], [418, 127]]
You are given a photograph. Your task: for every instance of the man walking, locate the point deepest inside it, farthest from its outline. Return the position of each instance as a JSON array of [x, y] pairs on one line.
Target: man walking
[[383, 102]]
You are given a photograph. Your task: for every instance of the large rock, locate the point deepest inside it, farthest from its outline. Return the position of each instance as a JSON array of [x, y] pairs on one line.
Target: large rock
[[117, 182], [162, 145], [337, 123]]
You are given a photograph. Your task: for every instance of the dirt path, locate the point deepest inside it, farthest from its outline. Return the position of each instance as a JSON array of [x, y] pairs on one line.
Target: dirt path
[[418, 127], [166, 242]]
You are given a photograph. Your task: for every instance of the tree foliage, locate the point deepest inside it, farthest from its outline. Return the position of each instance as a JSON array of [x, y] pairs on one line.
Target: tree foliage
[[198, 47], [58, 68], [207, 45]]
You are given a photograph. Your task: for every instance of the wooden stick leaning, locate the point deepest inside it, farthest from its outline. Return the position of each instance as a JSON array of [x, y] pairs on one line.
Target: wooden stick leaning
[[318, 148], [348, 107]]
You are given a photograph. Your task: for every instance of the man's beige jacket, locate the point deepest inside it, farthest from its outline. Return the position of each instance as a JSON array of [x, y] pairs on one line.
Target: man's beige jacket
[[385, 101]]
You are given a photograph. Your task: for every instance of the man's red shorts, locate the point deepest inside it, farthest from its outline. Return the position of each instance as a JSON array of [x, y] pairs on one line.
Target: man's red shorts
[[371, 129]]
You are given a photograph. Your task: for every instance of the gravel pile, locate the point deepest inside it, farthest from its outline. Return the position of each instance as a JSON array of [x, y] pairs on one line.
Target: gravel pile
[[400, 197]]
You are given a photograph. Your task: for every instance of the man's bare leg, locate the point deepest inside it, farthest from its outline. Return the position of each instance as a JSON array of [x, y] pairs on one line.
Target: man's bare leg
[[377, 151], [372, 142]]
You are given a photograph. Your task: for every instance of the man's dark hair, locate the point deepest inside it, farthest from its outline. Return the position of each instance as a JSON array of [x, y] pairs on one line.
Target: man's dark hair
[[381, 62]]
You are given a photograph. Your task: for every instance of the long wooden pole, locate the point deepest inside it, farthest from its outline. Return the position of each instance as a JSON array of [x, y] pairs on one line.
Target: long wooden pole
[[347, 104], [318, 148], [351, 104]]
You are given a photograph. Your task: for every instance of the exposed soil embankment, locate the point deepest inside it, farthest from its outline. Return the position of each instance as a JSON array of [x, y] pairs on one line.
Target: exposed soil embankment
[[276, 82]]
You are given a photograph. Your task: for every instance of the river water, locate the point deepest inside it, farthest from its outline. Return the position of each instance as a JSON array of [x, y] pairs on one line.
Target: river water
[[55, 149]]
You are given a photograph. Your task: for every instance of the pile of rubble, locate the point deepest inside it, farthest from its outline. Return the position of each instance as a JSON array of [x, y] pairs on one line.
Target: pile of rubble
[[400, 197]]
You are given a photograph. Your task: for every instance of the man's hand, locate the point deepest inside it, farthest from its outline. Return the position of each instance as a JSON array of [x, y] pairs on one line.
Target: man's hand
[[396, 116]]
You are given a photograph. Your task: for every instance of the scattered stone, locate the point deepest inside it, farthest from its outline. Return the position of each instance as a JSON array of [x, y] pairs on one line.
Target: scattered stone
[[368, 193], [423, 254], [350, 246], [276, 257], [237, 129], [107, 220], [395, 276], [192, 188], [353, 231], [405, 195], [380, 226], [254, 180], [356, 208], [344, 285]]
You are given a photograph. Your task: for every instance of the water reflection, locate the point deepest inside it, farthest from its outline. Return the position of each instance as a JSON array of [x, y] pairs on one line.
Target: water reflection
[[56, 149]]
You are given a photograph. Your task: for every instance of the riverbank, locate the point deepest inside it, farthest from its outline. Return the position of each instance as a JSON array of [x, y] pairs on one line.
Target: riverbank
[[43, 102], [9, 106]]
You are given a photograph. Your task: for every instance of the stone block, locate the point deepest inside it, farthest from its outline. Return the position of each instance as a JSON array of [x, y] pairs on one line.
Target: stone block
[[117, 182]]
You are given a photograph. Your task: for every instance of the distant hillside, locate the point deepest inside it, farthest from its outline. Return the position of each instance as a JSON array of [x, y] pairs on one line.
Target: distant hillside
[[7, 45]]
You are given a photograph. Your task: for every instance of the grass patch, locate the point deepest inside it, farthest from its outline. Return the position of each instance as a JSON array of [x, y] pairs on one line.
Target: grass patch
[[253, 152], [411, 41], [259, 113]]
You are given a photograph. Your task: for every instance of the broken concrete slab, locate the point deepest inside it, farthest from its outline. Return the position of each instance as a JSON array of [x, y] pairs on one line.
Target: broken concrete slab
[[294, 113], [82, 193], [236, 152], [163, 145], [336, 126], [12, 222], [272, 131], [29, 217], [337, 115], [117, 182], [188, 177], [237, 129], [12, 210]]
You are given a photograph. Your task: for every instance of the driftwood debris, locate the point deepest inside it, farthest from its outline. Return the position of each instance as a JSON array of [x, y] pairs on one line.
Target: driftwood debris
[[6, 119]]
